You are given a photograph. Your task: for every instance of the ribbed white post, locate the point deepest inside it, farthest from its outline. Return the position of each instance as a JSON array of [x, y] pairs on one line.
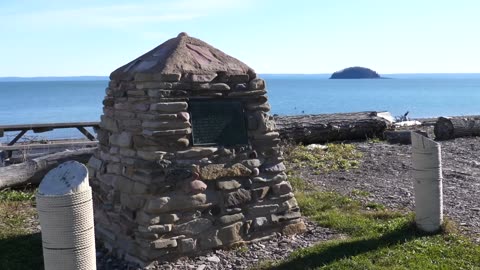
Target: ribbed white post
[[427, 175], [64, 204]]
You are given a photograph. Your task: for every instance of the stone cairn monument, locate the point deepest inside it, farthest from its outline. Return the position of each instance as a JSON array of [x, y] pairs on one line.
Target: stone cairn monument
[[188, 158]]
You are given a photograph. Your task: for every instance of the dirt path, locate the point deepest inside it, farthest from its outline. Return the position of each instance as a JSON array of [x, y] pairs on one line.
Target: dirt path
[[384, 172]]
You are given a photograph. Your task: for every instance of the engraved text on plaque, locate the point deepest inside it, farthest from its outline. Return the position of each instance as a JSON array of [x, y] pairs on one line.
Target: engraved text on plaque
[[218, 122]]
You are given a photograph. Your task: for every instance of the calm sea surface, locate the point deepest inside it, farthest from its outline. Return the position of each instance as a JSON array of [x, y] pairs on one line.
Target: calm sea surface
[[73, 101]]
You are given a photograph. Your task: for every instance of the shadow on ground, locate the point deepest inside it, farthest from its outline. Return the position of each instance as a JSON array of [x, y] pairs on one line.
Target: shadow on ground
[[344, 250], [21, 252]]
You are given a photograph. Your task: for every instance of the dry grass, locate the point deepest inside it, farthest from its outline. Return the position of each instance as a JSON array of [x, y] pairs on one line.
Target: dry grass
[[20, 241]]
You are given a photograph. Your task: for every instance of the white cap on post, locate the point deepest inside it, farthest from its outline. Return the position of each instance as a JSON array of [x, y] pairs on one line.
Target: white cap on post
[[65, 209]]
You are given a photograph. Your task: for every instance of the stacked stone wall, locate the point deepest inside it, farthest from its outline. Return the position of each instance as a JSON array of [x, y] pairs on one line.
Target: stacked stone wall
[[157, 196]]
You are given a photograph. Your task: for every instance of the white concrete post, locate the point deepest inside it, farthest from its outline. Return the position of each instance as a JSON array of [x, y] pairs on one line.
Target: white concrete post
[[65, 209], [427, 175]]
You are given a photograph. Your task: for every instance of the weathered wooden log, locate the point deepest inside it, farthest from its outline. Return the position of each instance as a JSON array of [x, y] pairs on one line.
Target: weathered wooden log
[[23, 152], [455, 127], [33, 170], [321, 128]]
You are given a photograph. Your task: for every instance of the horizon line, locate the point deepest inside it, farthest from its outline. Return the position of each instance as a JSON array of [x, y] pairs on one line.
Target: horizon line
[[262, 73]]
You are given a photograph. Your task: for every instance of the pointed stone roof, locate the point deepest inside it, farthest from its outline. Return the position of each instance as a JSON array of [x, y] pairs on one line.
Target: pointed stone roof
[[183, 55]]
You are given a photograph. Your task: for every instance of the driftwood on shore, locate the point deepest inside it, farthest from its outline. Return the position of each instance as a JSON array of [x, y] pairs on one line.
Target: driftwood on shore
[[33, 170], [301, 129], [455, 127], [321, 128]]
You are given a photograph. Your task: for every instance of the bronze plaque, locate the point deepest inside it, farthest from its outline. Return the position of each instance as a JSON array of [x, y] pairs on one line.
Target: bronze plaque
[[218, 122]]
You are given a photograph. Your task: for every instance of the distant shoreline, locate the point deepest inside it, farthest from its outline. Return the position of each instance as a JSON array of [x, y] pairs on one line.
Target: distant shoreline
[[264, 75], [54, 78]]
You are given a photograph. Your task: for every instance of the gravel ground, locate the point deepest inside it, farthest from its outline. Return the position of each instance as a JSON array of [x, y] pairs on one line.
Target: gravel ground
[[275, 249], [385, 174]]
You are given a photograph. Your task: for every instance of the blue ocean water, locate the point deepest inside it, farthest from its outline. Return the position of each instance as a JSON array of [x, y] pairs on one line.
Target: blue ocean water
[[43, 101], [422, 97], [28, 102]]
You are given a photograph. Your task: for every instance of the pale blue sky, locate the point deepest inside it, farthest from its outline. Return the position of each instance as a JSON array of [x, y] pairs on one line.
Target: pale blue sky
[[87, 37]]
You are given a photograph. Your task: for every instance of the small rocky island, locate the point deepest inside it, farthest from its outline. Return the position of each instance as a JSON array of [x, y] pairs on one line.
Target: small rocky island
[[355, 73]]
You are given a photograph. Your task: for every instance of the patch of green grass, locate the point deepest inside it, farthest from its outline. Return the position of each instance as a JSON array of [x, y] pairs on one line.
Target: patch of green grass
[[377, 238], [17, 195], [360, 193], [332, 210], [335, 157], [374, 140], [403, 248], [19, 247], [298, 184], [375, 206], [242, 248]]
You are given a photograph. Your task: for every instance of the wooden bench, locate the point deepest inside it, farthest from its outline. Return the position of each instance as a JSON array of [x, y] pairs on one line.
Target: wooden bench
[[6, 151]]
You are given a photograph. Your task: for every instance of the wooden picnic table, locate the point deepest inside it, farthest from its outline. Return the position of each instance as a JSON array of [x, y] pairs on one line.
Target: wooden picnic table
[[38, 128]]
